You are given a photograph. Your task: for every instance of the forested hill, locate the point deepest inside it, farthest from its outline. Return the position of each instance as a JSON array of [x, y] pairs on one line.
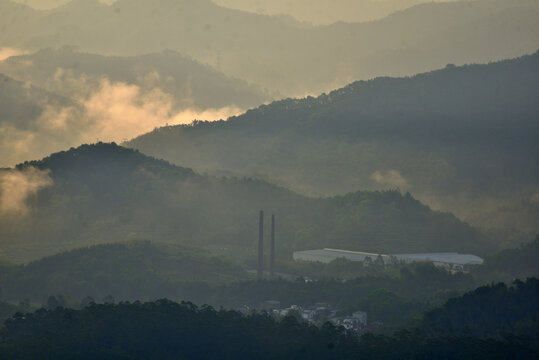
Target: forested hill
[[103, 192], [130, 270], [439, 135], [510, 264], [165, 328], [490, 311]]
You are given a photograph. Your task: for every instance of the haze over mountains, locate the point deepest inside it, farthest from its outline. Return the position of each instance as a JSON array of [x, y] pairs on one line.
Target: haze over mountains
[[280, 54], [315, 11], [114, 98], [63, 98], [461, 138], [30, 124], [379, 126], [190, 84]]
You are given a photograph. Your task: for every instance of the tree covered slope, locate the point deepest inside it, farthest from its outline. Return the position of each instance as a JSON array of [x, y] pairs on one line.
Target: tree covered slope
[[103, 193], [510, 264], [490, 311], [132, 270], [460, 138], [162, 328]]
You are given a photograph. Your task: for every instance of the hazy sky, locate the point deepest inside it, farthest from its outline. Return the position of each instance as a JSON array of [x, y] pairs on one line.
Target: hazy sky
[[314, 11], [323, 11], [50, 4]]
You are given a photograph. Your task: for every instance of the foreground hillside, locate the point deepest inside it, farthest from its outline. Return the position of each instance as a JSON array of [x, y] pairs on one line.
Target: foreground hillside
[[461, 138], [103, 192], [150, 330], [141, 270], [164, 329]]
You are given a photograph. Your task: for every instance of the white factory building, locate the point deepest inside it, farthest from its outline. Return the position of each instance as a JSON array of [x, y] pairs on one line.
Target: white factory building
[[447, 259]]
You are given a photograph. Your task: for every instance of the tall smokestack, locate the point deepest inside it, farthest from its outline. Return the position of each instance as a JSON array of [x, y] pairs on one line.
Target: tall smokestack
[[272, 247], [260, 268]]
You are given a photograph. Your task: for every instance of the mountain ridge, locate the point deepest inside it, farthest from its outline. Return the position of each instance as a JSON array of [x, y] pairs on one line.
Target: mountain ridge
[[439, 135]]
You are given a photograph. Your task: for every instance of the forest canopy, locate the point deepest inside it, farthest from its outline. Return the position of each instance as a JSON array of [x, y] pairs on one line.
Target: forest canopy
[[104, 192]]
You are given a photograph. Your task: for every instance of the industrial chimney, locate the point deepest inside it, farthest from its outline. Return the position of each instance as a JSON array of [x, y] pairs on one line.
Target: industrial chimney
[[260, 268], [272, 247]]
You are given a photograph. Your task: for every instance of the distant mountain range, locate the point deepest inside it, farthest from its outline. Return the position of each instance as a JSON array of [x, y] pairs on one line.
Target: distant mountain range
[[460, 138], [322, 11], [106, 193], [191, 84], [315, 11], [278, 53]]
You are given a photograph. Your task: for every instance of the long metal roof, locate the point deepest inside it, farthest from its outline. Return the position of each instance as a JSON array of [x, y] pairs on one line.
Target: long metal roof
[[327, 255], [448, 257], [332, 254]]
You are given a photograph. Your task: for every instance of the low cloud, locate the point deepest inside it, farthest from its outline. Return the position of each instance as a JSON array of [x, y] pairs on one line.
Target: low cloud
[[114, 112], [391, 177], [120, 111], [7, 52], [17, 186]]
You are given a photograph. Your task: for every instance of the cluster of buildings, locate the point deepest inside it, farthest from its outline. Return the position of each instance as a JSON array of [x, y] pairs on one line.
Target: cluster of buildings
[[449, 260], [319, 313]]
